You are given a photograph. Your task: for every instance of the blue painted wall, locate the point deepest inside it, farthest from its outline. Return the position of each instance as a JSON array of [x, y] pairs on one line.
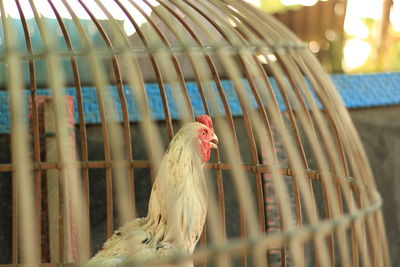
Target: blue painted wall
[[368, 90]]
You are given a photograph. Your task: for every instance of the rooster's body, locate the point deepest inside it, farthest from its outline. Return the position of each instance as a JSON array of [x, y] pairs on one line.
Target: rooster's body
[[178, 202]]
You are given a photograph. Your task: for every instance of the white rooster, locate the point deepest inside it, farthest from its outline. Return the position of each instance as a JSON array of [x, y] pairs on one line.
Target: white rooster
[[178, 202]]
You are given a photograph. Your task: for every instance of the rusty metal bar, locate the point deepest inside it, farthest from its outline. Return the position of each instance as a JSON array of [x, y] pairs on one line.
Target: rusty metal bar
[[269, 36], [178, 74], [340, 165], [332, 207], [82, 126], [102, 53], [70, 182], [126, 126], [23, 197], [240, 34], [105, 134], [326, 103], [35, 129], [297, 85], [155, 65], [232, 76], [311, 174], [156, 68]]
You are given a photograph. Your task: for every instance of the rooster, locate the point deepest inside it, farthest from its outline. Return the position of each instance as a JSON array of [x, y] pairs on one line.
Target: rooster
[[178, 202]]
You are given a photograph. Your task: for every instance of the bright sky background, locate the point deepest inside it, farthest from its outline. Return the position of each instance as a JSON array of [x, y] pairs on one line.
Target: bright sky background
[[357, 47], [45, 10]]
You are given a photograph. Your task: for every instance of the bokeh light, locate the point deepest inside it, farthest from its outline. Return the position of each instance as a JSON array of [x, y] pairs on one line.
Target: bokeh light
[[299, 2], [356, 53]]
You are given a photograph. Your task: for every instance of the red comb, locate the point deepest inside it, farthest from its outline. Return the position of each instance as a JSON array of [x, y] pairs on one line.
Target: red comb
[[206, 120]]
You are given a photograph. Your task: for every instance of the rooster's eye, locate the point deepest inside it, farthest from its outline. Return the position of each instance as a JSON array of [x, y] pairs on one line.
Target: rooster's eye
[[203, 133]]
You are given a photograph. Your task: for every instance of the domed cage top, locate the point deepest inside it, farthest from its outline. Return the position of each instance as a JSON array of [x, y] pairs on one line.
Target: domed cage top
[[95, 90]]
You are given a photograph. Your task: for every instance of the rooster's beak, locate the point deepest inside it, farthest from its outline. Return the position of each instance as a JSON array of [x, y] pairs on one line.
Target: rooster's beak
[[214, 141]]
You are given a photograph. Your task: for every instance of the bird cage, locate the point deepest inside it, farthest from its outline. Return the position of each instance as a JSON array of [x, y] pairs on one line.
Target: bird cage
[[93, 91]]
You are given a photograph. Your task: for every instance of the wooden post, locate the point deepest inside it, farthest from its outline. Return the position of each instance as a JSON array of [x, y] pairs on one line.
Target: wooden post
[[62, 229], [52, 184]]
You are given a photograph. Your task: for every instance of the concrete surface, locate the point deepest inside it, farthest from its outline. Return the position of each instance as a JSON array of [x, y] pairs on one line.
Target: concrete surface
[[379, 129]]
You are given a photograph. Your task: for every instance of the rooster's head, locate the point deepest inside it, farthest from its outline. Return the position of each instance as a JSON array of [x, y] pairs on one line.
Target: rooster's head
[[207, 138]]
